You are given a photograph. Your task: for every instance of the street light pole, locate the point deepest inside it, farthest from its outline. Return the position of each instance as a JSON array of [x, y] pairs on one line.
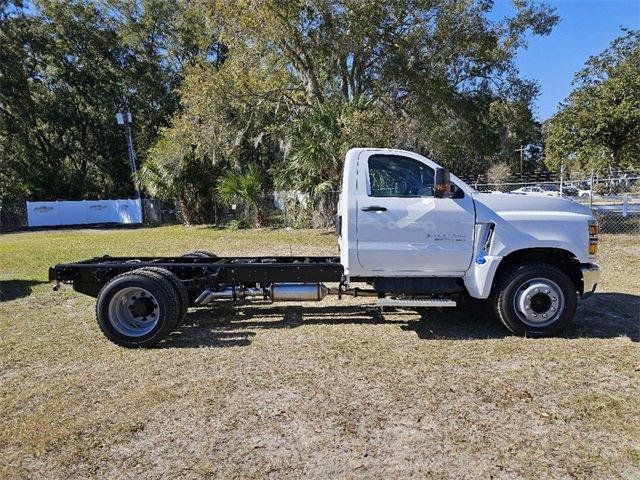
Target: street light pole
[[125, 118]]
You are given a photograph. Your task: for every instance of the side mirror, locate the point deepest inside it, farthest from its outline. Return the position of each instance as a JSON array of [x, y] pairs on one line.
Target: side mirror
[[442, 181]]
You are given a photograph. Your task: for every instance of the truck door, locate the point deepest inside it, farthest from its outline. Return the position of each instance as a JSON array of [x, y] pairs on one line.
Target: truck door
[[402, 227]]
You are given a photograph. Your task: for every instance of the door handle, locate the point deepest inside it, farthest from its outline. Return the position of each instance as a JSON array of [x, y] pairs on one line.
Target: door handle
[[374, 208]]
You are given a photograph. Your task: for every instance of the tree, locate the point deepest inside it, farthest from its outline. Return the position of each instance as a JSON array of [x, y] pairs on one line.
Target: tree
[[598, 125], [441, 69], [301, 82], [498, 173], [286, 86], [229, 107], [65, 70]]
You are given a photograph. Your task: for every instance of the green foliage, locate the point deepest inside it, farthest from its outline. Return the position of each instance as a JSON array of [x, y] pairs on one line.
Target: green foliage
[[302, 82], [66, 68], [297, 214], [222, 90], [243, 188], [316, 142], [598, 125]]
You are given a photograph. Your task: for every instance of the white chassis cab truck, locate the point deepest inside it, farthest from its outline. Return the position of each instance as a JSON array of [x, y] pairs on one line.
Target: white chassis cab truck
[[416, 235]]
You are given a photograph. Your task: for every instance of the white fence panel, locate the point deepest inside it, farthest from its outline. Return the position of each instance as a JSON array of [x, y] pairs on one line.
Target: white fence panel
[[72, 213], [43, 213], [84, 212], [105, 211], [129, 211]]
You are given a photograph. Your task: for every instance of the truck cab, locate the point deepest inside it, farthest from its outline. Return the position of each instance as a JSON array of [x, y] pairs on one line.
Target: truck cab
[[406, 224]]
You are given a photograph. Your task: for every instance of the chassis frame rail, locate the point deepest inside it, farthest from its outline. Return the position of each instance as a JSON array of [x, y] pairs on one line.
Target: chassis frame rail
[[88, 276]]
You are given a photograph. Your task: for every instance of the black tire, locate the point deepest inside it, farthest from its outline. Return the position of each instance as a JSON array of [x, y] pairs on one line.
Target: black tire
[[152, 272], [517, 286], [180, 290], [164, 304], [200, 253]]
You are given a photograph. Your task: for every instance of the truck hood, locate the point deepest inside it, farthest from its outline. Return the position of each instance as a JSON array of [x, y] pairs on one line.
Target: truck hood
[[535, 205]]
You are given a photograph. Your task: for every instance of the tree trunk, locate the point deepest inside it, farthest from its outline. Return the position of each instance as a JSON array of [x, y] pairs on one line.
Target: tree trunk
[[615, 158], [185, 210]]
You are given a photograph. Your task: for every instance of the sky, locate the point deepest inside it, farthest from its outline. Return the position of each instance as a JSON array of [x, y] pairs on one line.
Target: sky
[[586, 28]]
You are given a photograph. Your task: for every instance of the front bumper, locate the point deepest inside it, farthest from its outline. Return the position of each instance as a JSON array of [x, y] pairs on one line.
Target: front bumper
[[590, 277]]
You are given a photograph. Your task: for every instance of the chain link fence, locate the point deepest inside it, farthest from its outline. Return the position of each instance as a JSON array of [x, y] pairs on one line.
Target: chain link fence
[[13, 215], [161, 212], [615, 201]]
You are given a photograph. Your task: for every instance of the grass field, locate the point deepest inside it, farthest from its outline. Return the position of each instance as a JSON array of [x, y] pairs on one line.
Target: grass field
[[334, 389]]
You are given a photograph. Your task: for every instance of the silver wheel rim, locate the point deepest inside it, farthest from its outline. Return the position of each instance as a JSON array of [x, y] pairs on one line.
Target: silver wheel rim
[[133, 311], [539, 302]]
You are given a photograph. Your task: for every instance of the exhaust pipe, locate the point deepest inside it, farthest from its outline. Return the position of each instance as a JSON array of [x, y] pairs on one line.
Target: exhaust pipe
[[298, 292], [209, 296], [278, 292], [282, 292]]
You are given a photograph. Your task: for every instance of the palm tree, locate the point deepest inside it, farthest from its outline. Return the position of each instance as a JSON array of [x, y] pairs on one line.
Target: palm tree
[[174, 172], [244, 188]]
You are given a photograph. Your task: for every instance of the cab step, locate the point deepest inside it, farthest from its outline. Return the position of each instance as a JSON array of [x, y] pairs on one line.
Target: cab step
[[435, 302]]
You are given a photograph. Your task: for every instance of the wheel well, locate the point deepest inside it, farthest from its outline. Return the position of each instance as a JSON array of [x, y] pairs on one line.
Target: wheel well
[[563, 259]]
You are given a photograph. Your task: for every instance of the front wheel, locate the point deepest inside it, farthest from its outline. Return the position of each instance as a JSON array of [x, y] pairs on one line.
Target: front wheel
[[535, 299]]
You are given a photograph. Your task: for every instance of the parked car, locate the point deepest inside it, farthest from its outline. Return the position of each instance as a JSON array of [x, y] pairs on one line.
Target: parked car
[[583, 188], [570, 191], [548, 190]]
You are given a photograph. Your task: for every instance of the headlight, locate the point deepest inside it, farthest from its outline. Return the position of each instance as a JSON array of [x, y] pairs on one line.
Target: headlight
[[593, 237]]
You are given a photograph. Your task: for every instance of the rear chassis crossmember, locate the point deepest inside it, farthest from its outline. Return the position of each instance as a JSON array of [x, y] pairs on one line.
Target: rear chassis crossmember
[[89, 276]]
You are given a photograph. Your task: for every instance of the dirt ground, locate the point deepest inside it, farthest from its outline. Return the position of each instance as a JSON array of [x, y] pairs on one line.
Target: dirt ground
[[326, 390]]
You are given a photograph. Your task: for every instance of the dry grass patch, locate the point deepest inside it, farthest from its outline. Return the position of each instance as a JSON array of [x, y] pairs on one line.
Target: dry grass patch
[[334, 389]]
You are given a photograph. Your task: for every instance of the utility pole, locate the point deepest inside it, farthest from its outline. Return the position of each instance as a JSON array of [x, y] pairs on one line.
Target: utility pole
[[591, 191], [124, 117], [521, 150]]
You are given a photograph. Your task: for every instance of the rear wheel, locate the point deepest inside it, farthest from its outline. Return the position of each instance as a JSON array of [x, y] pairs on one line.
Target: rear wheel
[[200, 253], [136, 309], [179, 288], [535, 299]]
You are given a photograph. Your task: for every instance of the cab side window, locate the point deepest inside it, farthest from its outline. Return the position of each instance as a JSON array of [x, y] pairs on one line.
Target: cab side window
[[397, 176]]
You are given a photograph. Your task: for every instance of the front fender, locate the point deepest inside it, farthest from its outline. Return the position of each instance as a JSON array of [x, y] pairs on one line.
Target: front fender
[[515, 231]]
